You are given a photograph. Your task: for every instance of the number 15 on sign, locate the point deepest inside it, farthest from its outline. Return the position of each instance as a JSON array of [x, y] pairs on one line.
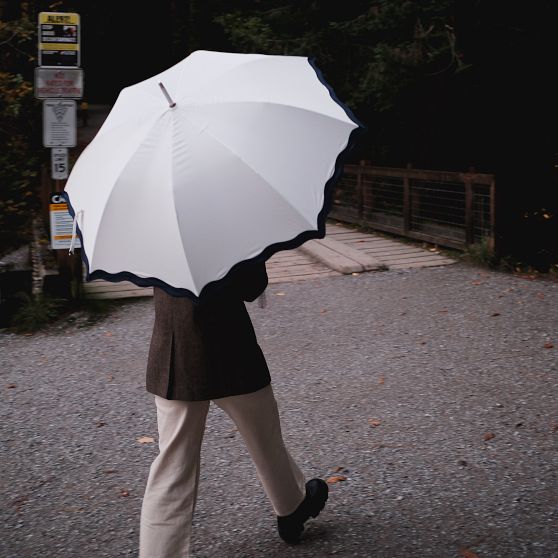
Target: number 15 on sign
[[59, 158]]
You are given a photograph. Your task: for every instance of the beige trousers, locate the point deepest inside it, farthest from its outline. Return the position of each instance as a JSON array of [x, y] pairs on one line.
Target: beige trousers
[[172, 485]]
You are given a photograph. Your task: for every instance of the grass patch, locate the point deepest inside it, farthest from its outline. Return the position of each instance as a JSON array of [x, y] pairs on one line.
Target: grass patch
[[35, 313], [42, 311], [481, 254]]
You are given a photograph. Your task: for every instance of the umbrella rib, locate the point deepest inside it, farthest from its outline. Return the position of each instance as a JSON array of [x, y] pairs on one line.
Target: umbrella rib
[[179, 229], [118, 177], [244, 163], [153, 113], [275, 103]]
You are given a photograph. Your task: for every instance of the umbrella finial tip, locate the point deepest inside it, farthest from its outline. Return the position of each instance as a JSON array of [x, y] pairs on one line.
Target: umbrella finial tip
[[172, 104]]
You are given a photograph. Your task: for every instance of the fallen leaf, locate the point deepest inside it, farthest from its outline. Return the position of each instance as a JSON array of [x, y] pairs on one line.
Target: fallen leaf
[[488, 436], [110, 471], [99, 423], [110, 377], [72, 509], [19, 502], [337, 469], [124, 492], [336, 478], [466, 553], [108, 333], [145, 439], [476, 282], [540, 295], [323, 311], [381, 380], [548, 346], [374, 422]]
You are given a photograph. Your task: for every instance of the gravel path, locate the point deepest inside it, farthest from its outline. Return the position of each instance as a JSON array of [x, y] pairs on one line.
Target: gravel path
[[451, 361]]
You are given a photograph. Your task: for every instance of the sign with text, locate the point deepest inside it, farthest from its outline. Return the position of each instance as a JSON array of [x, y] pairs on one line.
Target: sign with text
[[61, 223], [58, 82], [59, 163], [59, 123], [59, 39]]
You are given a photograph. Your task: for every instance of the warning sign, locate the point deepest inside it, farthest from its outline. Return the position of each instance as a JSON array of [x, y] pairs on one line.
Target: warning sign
[[61, 223], [58, 82], [59, 39], [59, 123]]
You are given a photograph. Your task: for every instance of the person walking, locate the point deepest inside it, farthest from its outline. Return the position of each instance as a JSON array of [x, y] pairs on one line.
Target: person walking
[[203, 352]]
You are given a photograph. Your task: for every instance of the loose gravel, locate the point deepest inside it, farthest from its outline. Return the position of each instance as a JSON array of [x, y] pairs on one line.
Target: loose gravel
[[433, 391]]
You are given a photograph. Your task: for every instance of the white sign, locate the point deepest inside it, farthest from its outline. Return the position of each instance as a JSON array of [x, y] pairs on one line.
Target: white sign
[[58, 82], [59, 123], [61, 224], [59, 160]]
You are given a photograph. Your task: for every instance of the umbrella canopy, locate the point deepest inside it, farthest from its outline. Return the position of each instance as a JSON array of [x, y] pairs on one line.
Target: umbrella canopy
[[221, 159]]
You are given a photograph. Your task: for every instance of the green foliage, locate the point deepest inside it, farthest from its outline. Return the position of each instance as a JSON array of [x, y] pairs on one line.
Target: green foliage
[[39, 312], [482, 254], [35, 313], [372, 52], [20, 122]]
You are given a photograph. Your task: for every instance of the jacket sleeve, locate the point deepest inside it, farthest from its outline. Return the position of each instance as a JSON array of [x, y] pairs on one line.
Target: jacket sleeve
[[251, 281]]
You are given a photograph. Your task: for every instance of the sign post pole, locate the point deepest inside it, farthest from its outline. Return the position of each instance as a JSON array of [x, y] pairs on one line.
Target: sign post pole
[[59, 83]]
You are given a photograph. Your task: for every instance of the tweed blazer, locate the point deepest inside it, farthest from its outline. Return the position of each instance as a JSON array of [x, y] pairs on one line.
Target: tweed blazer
[[207, 350]]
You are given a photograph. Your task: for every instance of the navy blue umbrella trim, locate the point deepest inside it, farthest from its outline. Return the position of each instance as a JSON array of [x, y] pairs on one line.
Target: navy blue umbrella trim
[[300, 239]]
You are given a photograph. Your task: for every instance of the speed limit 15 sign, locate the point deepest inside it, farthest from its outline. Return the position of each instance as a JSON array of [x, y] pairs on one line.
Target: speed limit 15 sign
[[59, 158]]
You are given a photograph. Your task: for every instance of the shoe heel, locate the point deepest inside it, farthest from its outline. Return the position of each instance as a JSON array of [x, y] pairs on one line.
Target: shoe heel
[[320, 506], [318, 510]]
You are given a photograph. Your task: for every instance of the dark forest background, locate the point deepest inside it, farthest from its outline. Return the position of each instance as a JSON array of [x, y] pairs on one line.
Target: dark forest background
[[441, 84]]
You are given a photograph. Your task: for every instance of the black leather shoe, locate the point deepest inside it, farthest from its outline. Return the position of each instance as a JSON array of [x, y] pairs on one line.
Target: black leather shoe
[[290, 527]]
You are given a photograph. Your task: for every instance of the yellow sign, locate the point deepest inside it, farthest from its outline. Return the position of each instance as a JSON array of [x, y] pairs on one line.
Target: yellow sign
[[61, 223], [59, 18], [59, 39]]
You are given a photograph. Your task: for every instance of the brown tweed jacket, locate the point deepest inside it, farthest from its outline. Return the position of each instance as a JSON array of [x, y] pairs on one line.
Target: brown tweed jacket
[[207, 350]]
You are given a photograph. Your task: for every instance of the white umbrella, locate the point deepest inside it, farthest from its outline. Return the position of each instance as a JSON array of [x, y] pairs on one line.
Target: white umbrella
[[220, 159]]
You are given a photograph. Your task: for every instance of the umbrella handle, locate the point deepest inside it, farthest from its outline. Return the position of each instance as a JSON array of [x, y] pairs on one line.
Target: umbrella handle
[[172, 104]]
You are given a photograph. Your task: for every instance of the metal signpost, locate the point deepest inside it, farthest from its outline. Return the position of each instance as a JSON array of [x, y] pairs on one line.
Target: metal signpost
[[59, 83]]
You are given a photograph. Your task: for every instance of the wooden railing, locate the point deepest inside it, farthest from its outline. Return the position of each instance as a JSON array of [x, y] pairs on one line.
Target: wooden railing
[[446, 208]]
